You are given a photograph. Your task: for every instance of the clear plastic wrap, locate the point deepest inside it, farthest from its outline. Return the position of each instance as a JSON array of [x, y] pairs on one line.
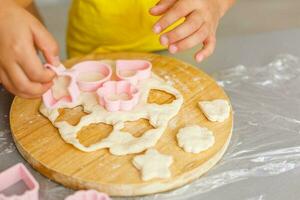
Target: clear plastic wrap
[[263, 158]]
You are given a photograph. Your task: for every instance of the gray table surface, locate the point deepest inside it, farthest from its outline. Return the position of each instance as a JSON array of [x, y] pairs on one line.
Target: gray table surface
[[263, 159]]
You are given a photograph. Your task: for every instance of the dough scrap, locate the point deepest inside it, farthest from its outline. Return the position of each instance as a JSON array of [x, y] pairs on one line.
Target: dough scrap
[[153, 164], [120, 142], [195, 139], [217, 110]]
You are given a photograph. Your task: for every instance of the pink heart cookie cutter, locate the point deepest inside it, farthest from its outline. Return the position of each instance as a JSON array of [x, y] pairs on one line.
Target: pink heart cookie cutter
[[12, 176], [133, 70], [88, 195], [110, 89], [99, 71], [73, 90]]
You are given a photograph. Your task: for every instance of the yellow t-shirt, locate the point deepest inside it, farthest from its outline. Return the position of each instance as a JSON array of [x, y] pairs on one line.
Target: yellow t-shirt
[[111, 25]]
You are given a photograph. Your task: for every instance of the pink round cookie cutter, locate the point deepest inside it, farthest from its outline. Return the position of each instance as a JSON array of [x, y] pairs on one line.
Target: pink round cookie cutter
[[92, 67], [111, 88], [88, 195], [73, 90], [13, 175], [137, 70]]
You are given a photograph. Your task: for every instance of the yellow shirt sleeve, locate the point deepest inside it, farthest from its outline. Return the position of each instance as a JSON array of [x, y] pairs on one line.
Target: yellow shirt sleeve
[[105, 26]]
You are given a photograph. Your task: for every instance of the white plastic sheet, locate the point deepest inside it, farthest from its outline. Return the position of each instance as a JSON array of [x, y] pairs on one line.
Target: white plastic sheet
[[266, 135]]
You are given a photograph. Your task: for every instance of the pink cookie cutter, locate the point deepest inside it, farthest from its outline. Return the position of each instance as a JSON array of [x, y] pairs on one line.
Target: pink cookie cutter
[[73, 89], [15, 174], [88, 195], [133, 70], [99, 71], [110, 89]]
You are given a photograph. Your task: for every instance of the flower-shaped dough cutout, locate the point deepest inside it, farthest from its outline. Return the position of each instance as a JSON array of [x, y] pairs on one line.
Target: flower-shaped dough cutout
[[195, 139], [153, 164], [118, 95], [217, 110]]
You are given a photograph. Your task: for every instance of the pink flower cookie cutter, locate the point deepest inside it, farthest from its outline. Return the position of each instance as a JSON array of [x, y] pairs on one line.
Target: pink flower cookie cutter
[[133, 70], [111, 91], [97, 71], [48, 97], [12, 176], [88, 195]]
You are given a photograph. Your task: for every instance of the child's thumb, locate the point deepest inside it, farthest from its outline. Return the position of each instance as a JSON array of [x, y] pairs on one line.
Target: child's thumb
[[45, 42]]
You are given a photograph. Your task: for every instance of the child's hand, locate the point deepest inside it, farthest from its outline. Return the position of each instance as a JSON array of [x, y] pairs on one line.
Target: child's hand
[[21, 70], [200, 25]]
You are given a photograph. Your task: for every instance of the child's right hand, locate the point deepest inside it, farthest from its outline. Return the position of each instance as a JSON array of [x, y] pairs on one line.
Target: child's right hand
[[21, 35]]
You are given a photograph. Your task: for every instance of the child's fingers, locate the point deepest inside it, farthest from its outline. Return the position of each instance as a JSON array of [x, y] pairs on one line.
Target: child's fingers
[[7, 83], [33, 67], [23, 84], [179, 10], [46, 43], [209, 45], [191, 41], [161, 7], [10, 86], [192, 23]]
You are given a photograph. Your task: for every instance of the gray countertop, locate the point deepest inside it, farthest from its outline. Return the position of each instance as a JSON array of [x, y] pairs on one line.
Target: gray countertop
[[263, 160]]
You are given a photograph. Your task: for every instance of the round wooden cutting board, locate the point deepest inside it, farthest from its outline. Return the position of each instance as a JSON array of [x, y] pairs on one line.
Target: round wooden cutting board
[[41, 145]]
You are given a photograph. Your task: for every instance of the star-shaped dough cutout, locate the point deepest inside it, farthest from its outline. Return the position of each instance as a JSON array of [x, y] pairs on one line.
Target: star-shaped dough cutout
[[217, 110], [153, 164]]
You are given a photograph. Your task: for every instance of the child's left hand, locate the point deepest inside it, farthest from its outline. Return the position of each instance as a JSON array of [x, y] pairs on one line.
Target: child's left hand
[[200, 25]]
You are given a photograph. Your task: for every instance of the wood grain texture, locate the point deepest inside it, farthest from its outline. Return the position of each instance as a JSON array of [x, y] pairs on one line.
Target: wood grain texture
[[41, 145]]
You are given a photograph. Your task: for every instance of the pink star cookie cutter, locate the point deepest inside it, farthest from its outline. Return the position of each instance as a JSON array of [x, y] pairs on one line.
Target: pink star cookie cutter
[[49, 100], [12, 176], [88, 195], [110, 89], [133, 70], [98, 71]]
